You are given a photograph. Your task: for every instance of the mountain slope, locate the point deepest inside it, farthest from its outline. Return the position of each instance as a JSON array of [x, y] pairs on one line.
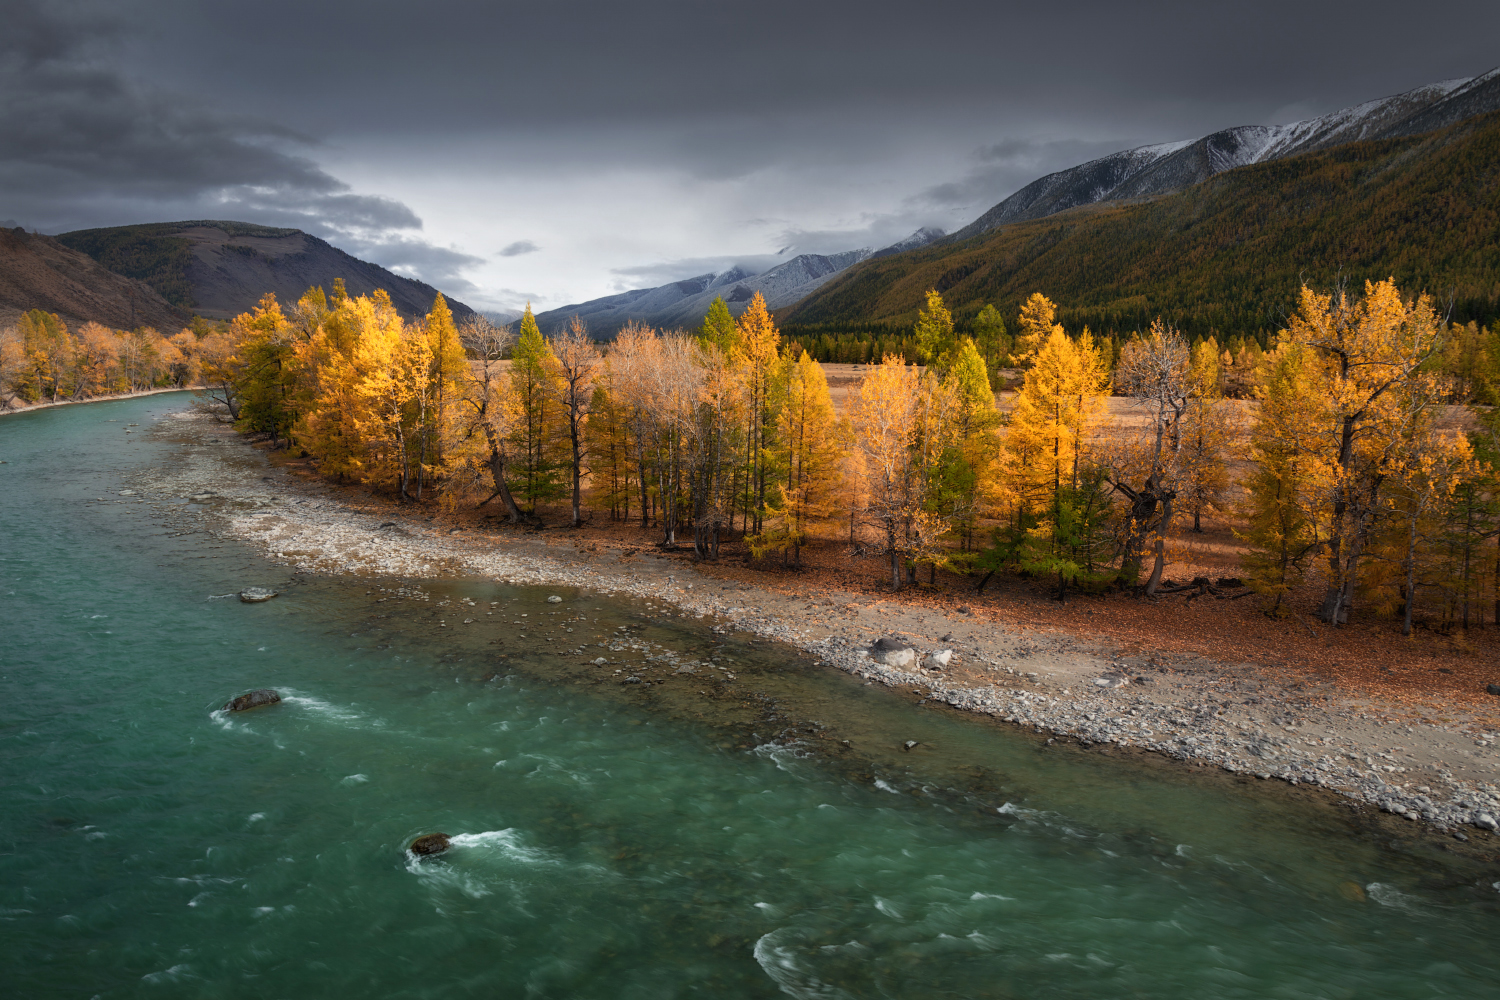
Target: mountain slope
[[1149, 171], [220, 269], [38, 272], [1225, 255], [684, 303]]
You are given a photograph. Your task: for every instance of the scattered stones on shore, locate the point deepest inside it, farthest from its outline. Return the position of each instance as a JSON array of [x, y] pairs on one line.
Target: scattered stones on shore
[[1111, 680], [431, 843], [938, 659], [1232, 716], [255, 595], [892, 653], [255, 699]]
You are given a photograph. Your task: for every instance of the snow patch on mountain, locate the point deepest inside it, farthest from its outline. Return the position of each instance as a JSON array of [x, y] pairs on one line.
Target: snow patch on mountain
[[683, 304], [1161, 168]]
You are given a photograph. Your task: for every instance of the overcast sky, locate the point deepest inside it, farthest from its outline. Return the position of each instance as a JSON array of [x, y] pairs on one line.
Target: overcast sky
[[558, 151]]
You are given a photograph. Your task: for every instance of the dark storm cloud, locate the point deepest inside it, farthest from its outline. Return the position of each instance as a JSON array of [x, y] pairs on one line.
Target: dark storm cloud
[[85, 145], [132, 110], [1004, 167], [442, 267], [518, 248], [455, 64]]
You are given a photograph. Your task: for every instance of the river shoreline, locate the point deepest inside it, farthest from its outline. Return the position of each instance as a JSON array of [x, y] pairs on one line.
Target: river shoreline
[[6, 409], [1239, 717]]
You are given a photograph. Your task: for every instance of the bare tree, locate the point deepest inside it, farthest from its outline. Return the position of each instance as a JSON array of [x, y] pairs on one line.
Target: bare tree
[[578, 361], [1157, 372], [487, 394]]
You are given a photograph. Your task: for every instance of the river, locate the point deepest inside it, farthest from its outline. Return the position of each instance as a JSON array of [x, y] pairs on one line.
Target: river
[[609, 842]]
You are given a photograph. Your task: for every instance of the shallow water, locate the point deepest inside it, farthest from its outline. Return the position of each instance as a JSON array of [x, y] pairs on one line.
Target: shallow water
[[612, 840]]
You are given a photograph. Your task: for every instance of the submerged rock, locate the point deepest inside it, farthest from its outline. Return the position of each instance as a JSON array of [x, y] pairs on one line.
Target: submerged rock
[[254, 595], [255, 699], [432, 843], [893, 652], [554, 599]]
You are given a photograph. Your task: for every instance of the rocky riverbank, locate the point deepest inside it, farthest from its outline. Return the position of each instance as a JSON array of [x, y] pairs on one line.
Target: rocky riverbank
[[1242, 717]]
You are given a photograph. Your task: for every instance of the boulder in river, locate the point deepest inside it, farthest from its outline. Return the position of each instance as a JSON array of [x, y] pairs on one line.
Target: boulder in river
[[893, 652], [554, 599], [255, 699], [431, 843], [254, 595]]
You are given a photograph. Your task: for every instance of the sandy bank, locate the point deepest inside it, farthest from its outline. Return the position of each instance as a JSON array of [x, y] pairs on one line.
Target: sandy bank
[[1236, 716]]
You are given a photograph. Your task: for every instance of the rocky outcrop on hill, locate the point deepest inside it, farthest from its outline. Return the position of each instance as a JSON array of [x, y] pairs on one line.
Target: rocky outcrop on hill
[[38, 272]]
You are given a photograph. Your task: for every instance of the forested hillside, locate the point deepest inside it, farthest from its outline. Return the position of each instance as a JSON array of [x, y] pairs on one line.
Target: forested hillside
[[1225, 257]]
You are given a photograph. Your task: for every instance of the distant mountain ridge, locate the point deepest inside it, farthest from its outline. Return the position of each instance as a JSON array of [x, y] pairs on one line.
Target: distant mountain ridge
[[1225, 256], [38, 272], [1148, 171], [684, 303], [221, 268]]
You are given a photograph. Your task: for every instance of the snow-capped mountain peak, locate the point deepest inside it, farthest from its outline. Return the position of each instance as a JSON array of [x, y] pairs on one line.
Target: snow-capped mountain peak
[[1164, 167]]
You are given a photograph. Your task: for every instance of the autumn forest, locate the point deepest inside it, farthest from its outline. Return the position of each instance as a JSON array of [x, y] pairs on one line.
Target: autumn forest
[[1364, 467]]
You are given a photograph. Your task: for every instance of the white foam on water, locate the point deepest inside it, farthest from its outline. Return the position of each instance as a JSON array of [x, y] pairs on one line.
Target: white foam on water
[[256, 817], [1389, 895], [507, 842], [777, 959], [355, 779], [226, 721], [781, 753], [991, 895], [885, 906], [321, 707], [880, 783], [175, 974], [984, 941]]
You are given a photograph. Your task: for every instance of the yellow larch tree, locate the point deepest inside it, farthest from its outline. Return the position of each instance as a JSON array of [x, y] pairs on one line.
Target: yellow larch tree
[[1035, 325], [395, 363], [884, 418], [1205, 436], [809, 452], [1279, 531], [1370, 370], [757, 352]]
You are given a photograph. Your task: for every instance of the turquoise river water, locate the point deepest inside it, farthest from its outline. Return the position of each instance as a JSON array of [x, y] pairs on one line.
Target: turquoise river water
[[153, 847]]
